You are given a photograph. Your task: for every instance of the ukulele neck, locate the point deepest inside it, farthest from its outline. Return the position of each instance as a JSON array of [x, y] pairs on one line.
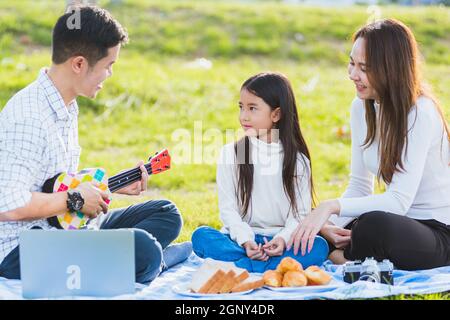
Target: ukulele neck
[[127, 177]]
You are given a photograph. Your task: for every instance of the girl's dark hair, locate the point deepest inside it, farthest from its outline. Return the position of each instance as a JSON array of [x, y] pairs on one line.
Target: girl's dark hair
[[276, 90], [86, 31]]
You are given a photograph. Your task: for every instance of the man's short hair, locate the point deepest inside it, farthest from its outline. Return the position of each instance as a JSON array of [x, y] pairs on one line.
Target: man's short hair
[[95, 32]]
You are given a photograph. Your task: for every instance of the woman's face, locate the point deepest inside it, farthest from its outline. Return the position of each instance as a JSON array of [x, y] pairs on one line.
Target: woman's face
[[357, 71]]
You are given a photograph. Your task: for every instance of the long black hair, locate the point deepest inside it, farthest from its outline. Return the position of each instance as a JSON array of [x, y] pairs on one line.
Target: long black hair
[[276, 91]]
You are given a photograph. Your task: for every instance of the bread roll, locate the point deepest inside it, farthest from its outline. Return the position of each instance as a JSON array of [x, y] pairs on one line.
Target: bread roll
[[294, 279], [317, 276], [289, 264], [273, 278]]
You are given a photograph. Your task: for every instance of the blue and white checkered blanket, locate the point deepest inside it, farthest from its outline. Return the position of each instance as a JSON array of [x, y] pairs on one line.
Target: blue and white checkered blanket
[[162, 288]]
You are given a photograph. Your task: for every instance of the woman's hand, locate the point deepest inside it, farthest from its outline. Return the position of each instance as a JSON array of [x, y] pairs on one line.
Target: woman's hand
[[137, 187], [274, 247], [307, 230], [339, 237], [255, 251]]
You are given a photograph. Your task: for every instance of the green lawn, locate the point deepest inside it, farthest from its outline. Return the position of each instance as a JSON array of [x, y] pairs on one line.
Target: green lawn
[[155, 93]]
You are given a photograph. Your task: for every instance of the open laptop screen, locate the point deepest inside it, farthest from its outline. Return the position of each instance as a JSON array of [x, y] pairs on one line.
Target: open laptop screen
[[57, 263]]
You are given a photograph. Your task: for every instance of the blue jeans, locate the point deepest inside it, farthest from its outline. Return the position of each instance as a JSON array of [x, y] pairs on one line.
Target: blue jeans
[[211, 243], [156, 224]]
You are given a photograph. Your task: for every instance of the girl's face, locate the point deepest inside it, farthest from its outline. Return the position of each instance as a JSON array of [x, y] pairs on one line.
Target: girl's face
[[256, 117], [357, 71]]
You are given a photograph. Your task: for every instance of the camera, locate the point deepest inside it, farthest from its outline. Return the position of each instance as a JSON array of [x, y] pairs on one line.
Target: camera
[[369, 270]]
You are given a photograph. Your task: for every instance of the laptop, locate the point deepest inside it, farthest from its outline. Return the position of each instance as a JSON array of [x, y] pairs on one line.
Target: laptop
[[55, 263]]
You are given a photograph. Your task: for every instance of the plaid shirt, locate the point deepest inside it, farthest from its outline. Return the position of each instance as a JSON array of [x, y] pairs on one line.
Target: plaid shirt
[[38, 139]]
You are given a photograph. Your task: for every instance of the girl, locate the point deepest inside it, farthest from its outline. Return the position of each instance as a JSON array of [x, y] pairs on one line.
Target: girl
[[399, 135], [264, 182]]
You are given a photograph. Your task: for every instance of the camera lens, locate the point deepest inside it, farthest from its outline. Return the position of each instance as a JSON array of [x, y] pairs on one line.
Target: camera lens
[[370, 277]]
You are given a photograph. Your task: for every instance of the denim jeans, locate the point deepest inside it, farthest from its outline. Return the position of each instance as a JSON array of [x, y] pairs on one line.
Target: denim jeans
[[156, 224], [211, 243]]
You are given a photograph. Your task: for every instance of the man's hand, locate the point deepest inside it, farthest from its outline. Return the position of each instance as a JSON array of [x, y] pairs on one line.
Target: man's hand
[[255, 251], [94, 199], [274, 247], [137, 187]]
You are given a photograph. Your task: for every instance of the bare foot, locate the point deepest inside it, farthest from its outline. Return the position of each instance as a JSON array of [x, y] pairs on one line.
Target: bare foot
[[337, 257]]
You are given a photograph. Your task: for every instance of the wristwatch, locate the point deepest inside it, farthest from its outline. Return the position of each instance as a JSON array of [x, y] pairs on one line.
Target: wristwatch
[[75, 201]]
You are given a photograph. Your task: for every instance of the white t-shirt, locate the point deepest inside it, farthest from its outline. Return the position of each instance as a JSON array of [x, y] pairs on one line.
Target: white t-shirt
[[422, 191], [269, 211]]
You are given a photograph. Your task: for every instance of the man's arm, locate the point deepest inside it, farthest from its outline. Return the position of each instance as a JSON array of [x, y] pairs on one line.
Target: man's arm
[[41, 206], [45, 205], [22, 147]]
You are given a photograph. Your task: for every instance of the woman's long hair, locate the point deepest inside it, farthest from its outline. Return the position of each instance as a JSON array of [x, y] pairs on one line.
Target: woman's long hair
[[276, 91], [393, 70]]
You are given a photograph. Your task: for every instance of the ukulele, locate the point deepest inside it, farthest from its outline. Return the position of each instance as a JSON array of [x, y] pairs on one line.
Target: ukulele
[[64, 181]]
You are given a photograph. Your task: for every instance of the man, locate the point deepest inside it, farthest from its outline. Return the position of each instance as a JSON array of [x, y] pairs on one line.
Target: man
[[39, 139]]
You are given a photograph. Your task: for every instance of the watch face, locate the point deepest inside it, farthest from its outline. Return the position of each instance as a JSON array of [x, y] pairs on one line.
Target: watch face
[[78, 205], [75, 201]]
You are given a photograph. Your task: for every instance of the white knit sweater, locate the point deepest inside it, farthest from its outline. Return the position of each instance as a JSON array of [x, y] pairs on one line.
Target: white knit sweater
[[422, 191], [269, 210]]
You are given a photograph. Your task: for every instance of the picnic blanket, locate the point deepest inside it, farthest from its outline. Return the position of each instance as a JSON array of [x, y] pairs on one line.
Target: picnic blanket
[[162, 288]]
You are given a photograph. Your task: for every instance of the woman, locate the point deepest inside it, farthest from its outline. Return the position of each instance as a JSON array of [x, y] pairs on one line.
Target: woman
[[399, 135]]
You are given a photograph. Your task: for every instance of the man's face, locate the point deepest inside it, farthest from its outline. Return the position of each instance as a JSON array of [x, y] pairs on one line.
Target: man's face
[[91, 78]]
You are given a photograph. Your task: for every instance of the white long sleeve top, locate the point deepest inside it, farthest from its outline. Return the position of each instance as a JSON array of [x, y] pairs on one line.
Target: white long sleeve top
[[269, 212], [422, 191]]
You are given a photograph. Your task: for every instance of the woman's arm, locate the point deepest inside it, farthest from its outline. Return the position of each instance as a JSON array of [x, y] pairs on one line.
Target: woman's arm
[[361, 182], [402, 190]]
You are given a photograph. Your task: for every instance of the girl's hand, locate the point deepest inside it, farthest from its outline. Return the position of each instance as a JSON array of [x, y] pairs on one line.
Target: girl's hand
[[338, 236], [254, 251], [137, 187], [307, 230], [274, 247]]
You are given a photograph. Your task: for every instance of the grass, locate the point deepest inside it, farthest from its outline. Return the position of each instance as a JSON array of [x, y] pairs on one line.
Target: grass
[[156, 99]]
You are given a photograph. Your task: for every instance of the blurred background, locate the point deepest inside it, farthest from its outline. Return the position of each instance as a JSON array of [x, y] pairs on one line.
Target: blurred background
[[176, 84]]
